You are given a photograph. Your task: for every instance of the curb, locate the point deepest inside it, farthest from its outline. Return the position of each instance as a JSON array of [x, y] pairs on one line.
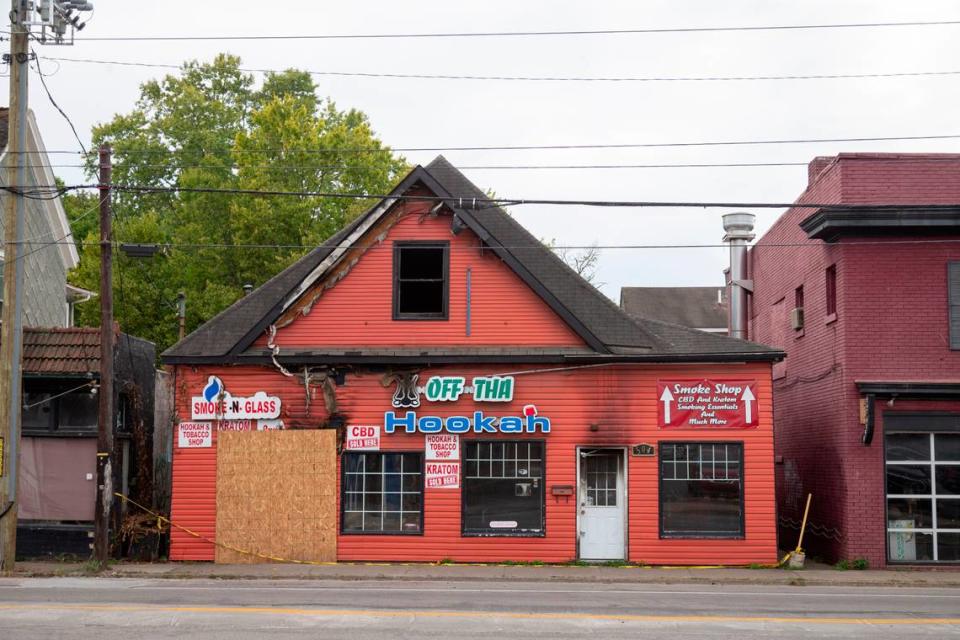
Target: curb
[[490, 573]]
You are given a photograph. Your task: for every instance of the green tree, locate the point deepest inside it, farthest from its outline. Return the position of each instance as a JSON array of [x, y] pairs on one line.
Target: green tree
[[210, 126]]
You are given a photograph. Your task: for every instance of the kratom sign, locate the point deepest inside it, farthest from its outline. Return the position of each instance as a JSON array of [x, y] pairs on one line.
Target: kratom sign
[[482, 389]]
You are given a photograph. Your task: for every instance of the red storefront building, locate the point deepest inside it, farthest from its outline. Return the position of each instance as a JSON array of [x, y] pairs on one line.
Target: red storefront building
[[433, 383], [866, 304]]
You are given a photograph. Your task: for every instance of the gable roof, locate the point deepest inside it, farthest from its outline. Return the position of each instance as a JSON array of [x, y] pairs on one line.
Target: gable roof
[[695, 307], [607, 330]]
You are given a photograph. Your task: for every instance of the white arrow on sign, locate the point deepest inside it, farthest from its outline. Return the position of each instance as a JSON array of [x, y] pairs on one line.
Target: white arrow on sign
[[748, 399], [667, 398]]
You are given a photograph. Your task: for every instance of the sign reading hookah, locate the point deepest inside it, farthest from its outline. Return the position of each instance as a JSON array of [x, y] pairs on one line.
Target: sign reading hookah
[[450, 389]]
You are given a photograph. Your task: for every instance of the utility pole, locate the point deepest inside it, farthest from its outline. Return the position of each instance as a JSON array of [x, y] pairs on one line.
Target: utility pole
[[101, 540], [11, 330]]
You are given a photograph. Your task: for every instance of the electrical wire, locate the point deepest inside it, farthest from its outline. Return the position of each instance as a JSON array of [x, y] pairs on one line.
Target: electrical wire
[[524, 34], [63, 113], [552, 147], [118, 244], [488, 77], [92, 383], [471, 203]]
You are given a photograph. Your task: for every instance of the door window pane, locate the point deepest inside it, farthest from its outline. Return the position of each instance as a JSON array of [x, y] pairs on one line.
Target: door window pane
[[947, 447], [703, 497], [382, 492], [909, 513], [910, 546], [503, 488], [908, 446], [948, 514], [948, 479], [948, 547], [908, 479]]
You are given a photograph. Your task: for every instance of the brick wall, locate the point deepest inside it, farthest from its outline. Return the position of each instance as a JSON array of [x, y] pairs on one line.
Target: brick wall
[[891, 324]]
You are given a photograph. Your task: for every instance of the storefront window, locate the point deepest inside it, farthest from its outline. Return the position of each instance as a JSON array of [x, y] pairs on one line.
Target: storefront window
[[382, 493], [503, 488], [923, 497], [701, 490]]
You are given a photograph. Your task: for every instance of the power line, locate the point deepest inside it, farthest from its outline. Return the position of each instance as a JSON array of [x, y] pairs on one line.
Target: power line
[[483, 202], [468, 203], [117, 244], [553, 147], [56, 106], [613, 79], [524, 34], [511, 167]]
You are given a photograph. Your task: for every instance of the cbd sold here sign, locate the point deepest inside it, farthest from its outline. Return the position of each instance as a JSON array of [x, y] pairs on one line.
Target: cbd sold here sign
[[362, 438], [707, 404]]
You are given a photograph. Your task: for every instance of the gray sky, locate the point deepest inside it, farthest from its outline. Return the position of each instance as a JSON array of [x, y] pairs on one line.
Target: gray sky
[[431, 113]]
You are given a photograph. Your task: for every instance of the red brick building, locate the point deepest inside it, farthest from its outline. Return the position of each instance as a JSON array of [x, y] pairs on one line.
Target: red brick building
[[866, 304]]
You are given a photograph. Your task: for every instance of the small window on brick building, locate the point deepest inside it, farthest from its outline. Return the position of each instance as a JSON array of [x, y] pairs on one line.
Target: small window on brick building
[[420, 280], [798, 298], [953, 300], [831, 292]]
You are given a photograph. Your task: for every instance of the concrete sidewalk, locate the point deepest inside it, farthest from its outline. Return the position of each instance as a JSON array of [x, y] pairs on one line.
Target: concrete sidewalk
[[814, 575]]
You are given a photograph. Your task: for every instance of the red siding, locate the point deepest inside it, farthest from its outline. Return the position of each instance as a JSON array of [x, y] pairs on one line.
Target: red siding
[[621, 400], [358, 309]]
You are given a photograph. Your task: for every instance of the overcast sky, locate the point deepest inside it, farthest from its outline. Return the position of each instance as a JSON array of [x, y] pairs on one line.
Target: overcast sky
[[432, 113]]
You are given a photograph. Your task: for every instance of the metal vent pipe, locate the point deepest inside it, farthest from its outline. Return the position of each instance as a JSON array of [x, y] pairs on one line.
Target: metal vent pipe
[[739, 231]]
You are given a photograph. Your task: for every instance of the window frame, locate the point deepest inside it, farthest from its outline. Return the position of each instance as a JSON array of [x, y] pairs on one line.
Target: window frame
[[953, 304], [830, 290], [398, 247], [500, 533], [343, 490], [743, 502], [932, 463]]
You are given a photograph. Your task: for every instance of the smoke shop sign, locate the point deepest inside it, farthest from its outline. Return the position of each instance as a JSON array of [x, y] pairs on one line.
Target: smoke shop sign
[[216, 403], [478, 422], [707, 404]]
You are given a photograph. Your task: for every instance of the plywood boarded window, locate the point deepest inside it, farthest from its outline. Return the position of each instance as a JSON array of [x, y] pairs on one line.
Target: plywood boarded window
[[277, 495]]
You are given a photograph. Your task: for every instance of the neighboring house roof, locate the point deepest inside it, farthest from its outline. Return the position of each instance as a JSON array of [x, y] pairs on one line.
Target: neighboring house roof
[[42, 175], [604, 327], [75, 350], [695, 307]]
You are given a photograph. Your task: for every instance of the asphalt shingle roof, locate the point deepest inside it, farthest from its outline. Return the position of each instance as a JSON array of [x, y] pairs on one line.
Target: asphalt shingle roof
[[598, 319], [696, 307]]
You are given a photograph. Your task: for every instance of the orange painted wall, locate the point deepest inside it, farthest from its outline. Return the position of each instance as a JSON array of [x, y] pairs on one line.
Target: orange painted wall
[[622, 400], [358, 310]]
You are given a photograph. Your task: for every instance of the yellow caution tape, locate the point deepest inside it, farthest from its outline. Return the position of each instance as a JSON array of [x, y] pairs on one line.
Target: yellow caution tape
[[264, 556]]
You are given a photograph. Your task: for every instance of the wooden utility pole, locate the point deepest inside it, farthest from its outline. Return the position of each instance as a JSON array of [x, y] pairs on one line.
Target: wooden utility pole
[[11, 329], [101, 541]]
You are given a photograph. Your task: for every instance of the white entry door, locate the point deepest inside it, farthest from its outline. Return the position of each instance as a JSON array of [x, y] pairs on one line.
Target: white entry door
[[602, 504]]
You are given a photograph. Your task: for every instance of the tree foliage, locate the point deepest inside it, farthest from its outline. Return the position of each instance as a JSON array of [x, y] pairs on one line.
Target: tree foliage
[[210, 126]]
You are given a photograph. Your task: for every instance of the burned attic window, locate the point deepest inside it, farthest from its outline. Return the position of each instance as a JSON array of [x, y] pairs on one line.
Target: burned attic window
[[420, 280]]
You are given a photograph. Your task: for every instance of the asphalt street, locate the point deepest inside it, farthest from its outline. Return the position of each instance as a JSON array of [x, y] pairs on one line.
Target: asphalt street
[[109, 608]]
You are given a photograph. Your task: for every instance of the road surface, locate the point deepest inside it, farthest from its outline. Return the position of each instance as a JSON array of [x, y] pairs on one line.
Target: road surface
[[114, 608]]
